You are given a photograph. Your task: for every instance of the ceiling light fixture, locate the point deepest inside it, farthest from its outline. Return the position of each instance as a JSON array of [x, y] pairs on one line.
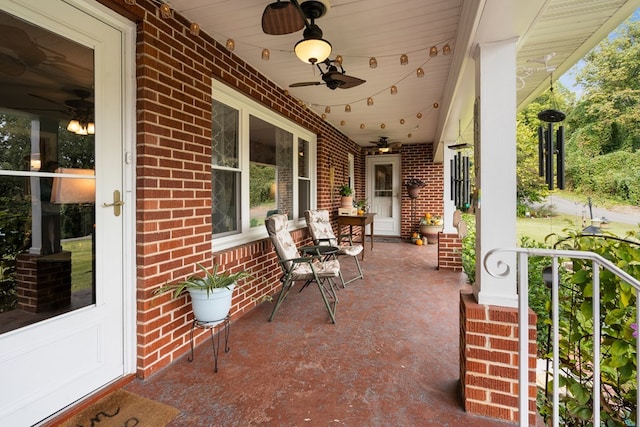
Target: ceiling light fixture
[[312, 48]]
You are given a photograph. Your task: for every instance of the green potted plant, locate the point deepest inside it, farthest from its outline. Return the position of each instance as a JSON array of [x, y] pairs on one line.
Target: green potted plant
[[413, 186], [347, 196], [211, 294]]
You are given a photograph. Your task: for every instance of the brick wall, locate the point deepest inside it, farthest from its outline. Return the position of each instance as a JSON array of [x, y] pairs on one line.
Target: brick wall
[[173, 146], [449, 252], [417, 162], [489, 360]]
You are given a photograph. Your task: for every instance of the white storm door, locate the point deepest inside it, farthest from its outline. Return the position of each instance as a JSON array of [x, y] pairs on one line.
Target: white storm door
[[63, 350], [383, 190]]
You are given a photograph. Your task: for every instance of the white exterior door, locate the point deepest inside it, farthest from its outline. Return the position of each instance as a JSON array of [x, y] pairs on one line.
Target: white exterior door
[[383, 193], [67, 348]]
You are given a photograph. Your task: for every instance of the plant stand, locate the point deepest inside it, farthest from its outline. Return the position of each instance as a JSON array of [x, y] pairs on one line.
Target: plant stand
[[212, 326]]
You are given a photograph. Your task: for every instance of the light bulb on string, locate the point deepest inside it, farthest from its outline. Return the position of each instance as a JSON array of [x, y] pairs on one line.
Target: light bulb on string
[[266, 54], [338, 60], [373, 62], [433, 51], [369, 101], [194, 28], [404, 59], [165, 10], [394, 90], [231, 44], [446, 49], [419, 72], [327, 109], [347, 108]]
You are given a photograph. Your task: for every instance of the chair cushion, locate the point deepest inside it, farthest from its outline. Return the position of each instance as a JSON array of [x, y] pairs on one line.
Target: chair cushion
[[330, 268], [350, 250], [320, 227], [284, 245]]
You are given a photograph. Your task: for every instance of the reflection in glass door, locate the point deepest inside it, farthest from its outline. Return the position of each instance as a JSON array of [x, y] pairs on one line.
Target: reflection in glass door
[[47, 179]]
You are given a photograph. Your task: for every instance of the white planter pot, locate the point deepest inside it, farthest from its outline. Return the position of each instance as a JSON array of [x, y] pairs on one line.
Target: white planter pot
[[213, 307]]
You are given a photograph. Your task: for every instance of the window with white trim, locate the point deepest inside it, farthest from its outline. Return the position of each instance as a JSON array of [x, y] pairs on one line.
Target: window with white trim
[[261, 164]]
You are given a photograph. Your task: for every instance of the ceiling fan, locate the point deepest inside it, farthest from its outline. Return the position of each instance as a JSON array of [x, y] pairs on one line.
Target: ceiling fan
[[332, 77], [80, 109], [384, 146]]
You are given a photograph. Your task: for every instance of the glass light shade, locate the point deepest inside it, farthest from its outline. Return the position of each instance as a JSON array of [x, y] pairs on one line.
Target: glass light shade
[[311, 51], [74, 126]]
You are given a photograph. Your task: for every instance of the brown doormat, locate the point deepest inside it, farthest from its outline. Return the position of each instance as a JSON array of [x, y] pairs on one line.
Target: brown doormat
[[122, 408]]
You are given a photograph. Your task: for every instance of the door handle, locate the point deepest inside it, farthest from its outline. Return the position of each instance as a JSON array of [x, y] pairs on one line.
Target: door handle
[[116, 203]]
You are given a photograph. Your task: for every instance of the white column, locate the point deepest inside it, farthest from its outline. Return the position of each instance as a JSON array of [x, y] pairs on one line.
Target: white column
[[495, 158]]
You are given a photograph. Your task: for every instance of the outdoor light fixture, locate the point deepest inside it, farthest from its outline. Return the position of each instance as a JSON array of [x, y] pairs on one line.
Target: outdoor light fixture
[[313, 48]]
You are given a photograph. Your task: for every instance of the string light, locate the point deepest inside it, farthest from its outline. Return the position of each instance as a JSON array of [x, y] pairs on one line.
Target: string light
[[433, 51], [361, 125], [324, 116], [419, 115], [446, 49], [436, 105], [373, 62], [347, 108], [327, 109], [342, 123], [394, 90], [419, 72], [194, 28], [165, 10], [266, 54], [404, 59], [369, 101], [382, 126], [230, 44], [401, 121], [338, 60]]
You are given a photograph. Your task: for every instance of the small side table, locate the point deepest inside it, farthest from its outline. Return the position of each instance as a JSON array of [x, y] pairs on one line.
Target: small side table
[[216, 328]]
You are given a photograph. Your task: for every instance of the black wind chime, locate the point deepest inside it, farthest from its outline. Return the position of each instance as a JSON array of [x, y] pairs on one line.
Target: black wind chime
[[460, 181], [550, 149]]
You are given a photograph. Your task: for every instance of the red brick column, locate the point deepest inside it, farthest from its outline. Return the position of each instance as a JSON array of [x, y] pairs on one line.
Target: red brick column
[[449, 252], [489, 360], [43, 281]]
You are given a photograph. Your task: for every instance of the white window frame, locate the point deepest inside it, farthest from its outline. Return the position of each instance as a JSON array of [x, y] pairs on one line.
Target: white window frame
[[247, 107]]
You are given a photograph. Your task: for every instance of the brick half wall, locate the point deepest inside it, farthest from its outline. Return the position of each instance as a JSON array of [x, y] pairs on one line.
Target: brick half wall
[[489, 360]]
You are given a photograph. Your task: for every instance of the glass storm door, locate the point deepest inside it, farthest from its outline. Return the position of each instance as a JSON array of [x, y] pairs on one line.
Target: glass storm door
[[383, 188], [61, 275]]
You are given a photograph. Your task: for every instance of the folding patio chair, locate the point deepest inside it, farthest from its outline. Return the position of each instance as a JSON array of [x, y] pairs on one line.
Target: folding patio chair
[[322, 234], [306, 264]]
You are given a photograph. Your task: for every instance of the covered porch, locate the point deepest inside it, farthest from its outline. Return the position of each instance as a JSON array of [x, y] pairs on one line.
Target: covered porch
[[392, 358]]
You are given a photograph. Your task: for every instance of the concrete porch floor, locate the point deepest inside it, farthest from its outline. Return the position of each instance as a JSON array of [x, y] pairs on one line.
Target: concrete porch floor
[[392, 358]]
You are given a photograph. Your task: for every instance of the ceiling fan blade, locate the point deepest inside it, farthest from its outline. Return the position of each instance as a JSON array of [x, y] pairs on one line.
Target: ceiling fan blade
[[281, 17], [301, 84], [346, 81]]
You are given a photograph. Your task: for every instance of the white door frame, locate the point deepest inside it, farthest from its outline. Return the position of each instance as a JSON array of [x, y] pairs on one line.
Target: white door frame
[[41, 14], [385, 225]]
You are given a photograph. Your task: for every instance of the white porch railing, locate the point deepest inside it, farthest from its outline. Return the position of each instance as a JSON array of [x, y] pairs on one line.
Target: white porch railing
[[598, 262]]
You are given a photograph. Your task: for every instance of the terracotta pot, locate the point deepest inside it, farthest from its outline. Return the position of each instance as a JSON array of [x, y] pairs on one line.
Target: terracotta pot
[[431, 233], [414, 192], [346, 202]]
